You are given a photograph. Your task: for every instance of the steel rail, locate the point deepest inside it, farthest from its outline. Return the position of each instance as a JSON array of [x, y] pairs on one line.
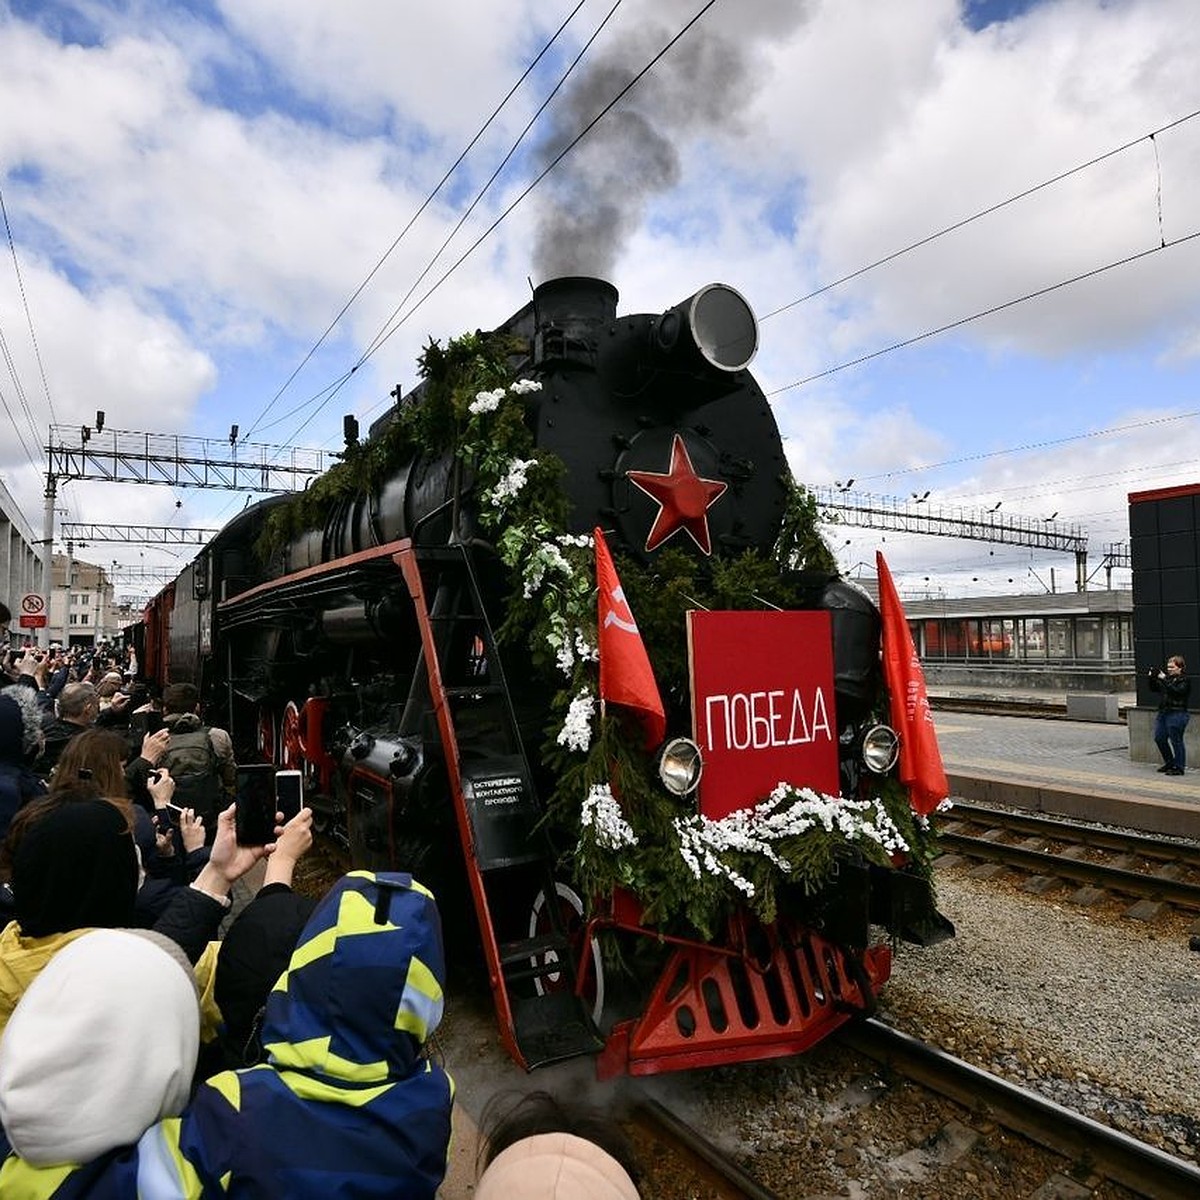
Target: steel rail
[[1166, 849], [1142, 1168], [702, 1148], [1116, 879]]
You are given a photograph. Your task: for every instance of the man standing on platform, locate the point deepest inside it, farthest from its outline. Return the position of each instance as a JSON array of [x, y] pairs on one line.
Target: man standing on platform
[[1175, 689]]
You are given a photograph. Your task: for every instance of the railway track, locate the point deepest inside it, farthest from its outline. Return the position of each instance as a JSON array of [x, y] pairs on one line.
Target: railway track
[[1090, 1146], [1117, 861], [1142, 1168]]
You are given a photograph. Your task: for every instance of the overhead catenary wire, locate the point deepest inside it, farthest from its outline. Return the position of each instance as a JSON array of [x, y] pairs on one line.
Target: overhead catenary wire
[[558, 158], [994, 208], [413, 219], [987, 312]]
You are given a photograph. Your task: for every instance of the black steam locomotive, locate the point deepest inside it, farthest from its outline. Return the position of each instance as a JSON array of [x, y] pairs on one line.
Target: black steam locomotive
[[418, 633]]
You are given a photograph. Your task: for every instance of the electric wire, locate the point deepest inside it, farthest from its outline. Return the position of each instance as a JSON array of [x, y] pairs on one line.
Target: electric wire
[[522, 196], [413, 219], [1073, 437], [993, 208], [987, 312], [492, 179]]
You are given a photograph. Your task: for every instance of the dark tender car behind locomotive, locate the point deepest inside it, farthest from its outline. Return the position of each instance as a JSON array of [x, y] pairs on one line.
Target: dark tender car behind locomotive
[[363, 653]]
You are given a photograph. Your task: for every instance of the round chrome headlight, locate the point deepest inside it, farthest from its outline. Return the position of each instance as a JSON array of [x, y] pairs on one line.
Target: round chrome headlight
[[880, 749], [680, 766]]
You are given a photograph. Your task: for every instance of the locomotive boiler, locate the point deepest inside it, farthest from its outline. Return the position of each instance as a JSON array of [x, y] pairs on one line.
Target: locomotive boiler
[[419, 634]]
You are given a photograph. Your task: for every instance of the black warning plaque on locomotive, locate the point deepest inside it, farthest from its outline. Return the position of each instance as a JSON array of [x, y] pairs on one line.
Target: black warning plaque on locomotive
[[498, 791], [504, 818]]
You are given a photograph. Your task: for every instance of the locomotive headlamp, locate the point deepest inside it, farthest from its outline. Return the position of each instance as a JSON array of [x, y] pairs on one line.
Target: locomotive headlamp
[[880, 749], [680, 766], [715, 326]]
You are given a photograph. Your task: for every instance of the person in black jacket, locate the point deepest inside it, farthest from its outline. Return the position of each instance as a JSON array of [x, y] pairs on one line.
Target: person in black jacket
[[1175, 689]]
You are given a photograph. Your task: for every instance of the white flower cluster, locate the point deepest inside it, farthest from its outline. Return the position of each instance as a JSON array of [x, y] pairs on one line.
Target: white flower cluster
[[568, 647], [602, 812], [698, 838], [756, 830], [486, 402], [512, 483], [546, 556], [576, 733], [854, 819]]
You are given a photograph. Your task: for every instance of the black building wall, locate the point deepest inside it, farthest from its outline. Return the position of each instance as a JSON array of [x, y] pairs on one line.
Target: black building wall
[[1164, 540]]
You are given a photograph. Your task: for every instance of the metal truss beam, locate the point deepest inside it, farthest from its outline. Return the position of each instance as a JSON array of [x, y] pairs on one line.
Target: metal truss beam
[[980, 525], [124, 456], [143, 535]]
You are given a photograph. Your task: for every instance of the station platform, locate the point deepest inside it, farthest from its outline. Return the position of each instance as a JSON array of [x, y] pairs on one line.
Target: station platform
[[1075, 769]]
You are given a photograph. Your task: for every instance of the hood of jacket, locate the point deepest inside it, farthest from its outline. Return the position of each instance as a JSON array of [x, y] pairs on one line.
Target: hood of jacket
[[84, 1019], [182, 722], [20, 725], [364, 988]]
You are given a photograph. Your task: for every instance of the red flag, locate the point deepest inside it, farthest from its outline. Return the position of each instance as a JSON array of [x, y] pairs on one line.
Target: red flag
[[921, 767], [626, 676]]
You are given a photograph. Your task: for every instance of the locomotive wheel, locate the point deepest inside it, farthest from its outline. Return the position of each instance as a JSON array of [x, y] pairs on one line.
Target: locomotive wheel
[[570, 915], [291, 744]]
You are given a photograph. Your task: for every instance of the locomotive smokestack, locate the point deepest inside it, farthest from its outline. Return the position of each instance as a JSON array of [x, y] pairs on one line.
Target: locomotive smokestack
[[570, 315], [715, 324]]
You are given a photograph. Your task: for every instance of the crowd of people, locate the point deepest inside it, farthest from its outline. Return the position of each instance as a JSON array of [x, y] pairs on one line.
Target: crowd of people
[[143, 1054]]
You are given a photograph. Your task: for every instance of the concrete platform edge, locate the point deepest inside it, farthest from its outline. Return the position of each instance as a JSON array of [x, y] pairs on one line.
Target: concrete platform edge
[[1167, 817]]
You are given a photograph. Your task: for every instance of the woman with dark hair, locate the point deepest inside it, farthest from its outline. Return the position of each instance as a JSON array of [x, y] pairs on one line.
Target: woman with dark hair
[[75, 867], [20, 744], [92, 765]]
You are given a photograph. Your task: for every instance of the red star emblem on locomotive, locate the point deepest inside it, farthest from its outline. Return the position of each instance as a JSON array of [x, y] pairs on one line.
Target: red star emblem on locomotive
[[683, 498]]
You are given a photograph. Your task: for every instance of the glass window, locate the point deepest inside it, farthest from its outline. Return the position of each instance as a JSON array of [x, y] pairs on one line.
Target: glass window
[[1032, 634], [998, 638], [974, 637], [84, 618], [935, 644], [1058, 638], [1087, 637]]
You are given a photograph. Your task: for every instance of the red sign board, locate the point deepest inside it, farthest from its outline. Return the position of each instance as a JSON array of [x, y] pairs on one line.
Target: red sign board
[[32, 620], [762, 705]]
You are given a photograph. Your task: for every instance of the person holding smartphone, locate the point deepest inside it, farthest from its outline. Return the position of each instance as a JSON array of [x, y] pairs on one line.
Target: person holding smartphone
[[1175, 688]]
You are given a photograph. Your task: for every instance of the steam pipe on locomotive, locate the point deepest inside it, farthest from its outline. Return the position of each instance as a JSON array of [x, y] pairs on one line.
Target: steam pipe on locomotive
[[363, 651]]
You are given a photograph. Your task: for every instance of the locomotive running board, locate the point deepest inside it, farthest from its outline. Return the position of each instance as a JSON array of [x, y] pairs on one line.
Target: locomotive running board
[[712, 1007], [540, 1017]]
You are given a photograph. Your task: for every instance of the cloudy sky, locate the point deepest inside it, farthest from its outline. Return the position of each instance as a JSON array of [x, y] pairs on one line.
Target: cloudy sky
[[215, 209]]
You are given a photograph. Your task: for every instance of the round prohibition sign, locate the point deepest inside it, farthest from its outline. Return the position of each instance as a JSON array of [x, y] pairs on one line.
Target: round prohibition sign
[[32, 603]]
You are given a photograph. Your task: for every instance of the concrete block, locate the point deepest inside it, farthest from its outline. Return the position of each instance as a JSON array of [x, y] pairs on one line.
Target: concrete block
[[1092, 706], [987, 871], [1061, 1187], [1039, 885], [1146, 910], [1085, 897], [947, 861]]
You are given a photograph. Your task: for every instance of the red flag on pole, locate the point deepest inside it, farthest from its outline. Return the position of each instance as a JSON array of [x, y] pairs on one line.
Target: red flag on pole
[[626, 676], [921, 767]]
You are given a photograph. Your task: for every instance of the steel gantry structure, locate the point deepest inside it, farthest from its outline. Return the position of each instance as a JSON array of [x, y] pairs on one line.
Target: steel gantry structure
[[917, 515], [87, 452]]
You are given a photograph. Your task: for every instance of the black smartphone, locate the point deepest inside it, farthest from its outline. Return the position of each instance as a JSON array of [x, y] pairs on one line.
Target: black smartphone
[[142, 723], [254, 814], [289, 793]]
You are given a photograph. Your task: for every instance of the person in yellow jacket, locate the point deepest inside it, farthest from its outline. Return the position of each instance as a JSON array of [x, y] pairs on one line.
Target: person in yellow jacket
[[75, 867]]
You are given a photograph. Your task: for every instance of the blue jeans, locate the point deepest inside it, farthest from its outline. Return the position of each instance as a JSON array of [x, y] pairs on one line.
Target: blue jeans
[[1168, 737]]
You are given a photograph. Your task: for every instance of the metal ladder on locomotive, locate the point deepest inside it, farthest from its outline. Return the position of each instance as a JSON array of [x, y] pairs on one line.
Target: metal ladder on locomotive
[[505, 848]]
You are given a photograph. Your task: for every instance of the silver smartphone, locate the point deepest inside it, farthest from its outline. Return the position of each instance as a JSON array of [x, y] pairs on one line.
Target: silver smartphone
[[289, 793]]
